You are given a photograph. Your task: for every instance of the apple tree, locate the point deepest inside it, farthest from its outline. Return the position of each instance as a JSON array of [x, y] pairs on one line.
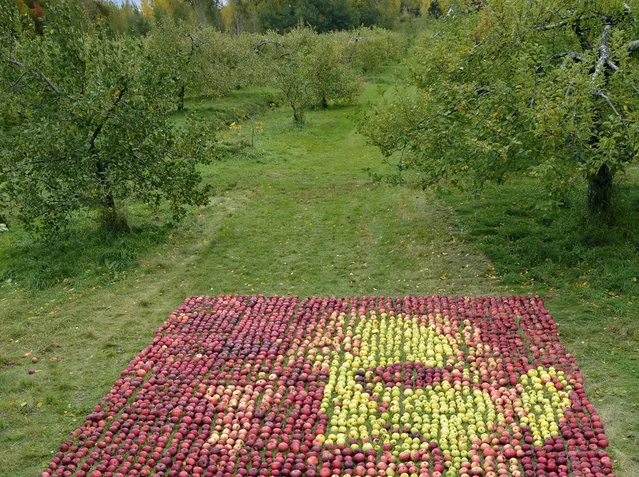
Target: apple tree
[[312, 69], [370, 48], [199, 59], [544, 87], [287, 60], [86, 125], [334, 75]]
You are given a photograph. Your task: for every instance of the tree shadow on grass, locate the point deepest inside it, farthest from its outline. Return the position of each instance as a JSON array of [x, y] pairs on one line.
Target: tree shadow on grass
[[85, 255], [561, 247]]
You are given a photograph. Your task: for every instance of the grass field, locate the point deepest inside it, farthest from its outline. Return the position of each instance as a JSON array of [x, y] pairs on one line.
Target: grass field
[[297, 214]]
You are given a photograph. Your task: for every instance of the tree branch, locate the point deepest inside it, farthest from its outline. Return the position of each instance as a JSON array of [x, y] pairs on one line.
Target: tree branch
[[552, 26], [193, 47], [264, 42], [564, 23], [573, 54], [627, 8], [15, 83], [611, 65], [33, 162], [604, 55], [108, 115], [624, 122], [42, 76]]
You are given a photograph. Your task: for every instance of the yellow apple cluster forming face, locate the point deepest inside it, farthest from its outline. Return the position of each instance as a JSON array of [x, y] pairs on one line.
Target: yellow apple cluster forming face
[[449, 413]]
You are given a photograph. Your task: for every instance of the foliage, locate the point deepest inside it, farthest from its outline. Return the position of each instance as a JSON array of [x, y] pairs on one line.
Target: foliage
[[201, 60], [89, 125], [175, 49], [227, 62], [513, 86], [322, 15], [370, 48], [376, 13], [241, 16], [313, 69], [334, 76], [310, 69], [288, 60], [415, 7], [434, 9]]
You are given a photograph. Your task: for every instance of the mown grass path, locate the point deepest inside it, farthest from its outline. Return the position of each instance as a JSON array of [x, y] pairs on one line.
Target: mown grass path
[[297, 214]]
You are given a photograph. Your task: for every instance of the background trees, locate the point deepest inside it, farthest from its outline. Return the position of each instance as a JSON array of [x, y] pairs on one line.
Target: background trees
[[521, 86], [312, 69], [322, 15]]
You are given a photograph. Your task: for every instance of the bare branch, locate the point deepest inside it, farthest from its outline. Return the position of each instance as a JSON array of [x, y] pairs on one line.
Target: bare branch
[[42, 76], [623, 121], [632, 46], [552, 26], [604, 54], [15, 83]]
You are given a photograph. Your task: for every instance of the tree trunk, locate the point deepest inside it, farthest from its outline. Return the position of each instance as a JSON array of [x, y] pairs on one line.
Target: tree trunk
[[600, 190], [181, 95], [324, 102], [111, 219], [298, 116]]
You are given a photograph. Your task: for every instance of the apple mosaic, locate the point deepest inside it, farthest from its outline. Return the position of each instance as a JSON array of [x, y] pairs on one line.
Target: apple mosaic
[[376, 386]]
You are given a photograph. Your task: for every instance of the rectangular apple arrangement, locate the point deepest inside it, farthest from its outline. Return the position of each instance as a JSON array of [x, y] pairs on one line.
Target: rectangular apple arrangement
[[414, 386]]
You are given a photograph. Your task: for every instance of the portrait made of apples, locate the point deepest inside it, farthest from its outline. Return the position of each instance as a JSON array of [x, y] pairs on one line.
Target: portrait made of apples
[[410, 386], [416, 386]]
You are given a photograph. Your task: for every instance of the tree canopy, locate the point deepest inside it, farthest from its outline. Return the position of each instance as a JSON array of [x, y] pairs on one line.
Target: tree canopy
[[544, 87]]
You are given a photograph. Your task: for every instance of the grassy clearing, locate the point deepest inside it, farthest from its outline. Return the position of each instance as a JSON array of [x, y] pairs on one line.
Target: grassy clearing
[[295, 214]]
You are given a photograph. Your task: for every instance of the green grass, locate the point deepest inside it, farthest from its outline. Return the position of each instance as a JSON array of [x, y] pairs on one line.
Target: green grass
[[236, 106], [295, 214]]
